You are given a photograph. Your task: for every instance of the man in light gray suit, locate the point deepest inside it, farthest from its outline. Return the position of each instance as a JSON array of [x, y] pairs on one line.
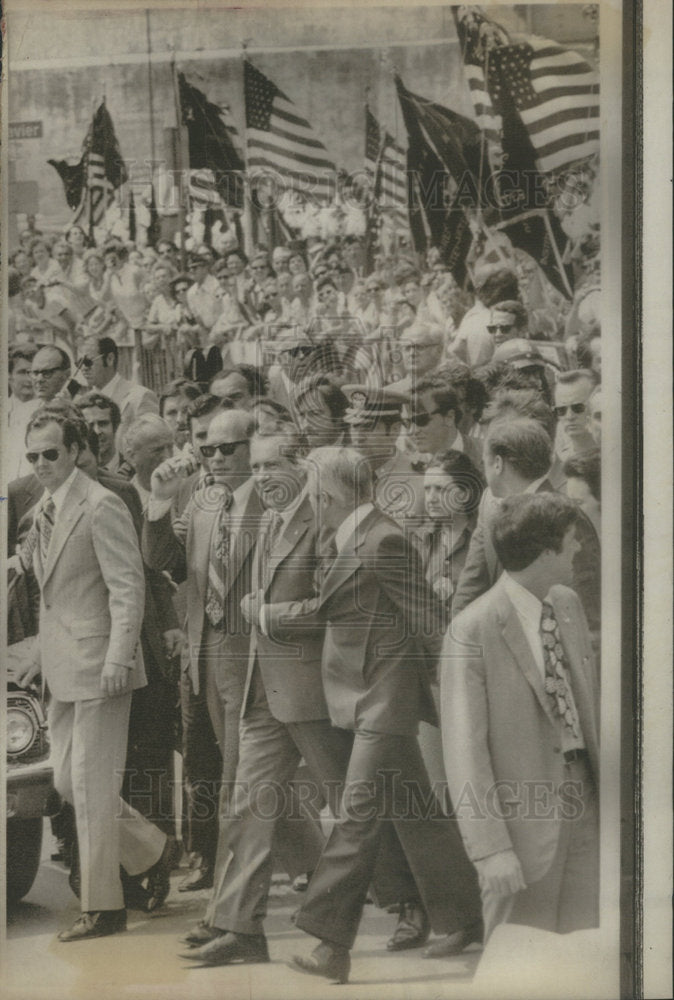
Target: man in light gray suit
[[88, 566], [520, 723]]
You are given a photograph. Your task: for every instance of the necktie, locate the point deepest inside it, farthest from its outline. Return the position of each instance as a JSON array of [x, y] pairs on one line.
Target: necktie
[[46, 526], [218, 564], [557, 683]]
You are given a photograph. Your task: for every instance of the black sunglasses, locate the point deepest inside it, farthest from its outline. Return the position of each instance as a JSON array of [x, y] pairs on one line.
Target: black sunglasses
[[46, 372], [574, 407], [228, 448], [419, 419], [495, 327], [87, 362], [51, 455]]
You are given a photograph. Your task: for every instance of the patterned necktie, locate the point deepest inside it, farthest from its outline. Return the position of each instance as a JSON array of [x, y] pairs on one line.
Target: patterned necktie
[[557, 683], [46, 526], [217, 565]]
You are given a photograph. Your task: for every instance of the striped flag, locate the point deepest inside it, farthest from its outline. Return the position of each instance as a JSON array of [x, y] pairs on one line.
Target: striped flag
[[386, 166], [90, 184], [280, 140], [550, 90]]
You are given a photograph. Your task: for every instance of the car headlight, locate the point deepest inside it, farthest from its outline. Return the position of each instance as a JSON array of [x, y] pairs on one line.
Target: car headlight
[[21, 730]]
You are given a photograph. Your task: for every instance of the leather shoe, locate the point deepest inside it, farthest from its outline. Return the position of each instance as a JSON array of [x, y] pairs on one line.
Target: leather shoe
[[327, 960], [198, 878], [412, 929], [228, 948], [454, 944], [93, 925], [158, 877], [200, 934]]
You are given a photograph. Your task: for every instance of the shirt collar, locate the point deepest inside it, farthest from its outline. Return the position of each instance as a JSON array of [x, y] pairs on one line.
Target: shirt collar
[[526, 604], [532, 487], [350, 524], [112, 384], [59, 494]]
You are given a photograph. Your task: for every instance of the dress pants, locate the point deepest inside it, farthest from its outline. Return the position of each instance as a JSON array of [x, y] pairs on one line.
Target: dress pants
[[265, 816], [567, 897], [385, 776], [224, 679], [89, 750], [202, 770]]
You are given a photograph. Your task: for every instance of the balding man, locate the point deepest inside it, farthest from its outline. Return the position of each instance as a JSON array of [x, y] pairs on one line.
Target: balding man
[[50, 373], [421, 347]]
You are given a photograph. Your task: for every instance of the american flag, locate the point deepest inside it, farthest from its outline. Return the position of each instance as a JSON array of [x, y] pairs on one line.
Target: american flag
[[104, 170], [386, 167], [280, 140], [553, 90]]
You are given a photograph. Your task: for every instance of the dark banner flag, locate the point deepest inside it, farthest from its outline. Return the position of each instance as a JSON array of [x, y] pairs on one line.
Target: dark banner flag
[[90, 184], [216, 165], [443, 163]]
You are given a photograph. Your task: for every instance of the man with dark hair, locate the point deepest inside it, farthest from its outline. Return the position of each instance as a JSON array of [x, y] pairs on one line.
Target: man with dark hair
[[473, 342], [572, 394], [240, 386], [99, 366], [102, 415], [90, 574], [174, 401], [319, 406], [517, 460], [508, 320], [434, 418], [520, 716]]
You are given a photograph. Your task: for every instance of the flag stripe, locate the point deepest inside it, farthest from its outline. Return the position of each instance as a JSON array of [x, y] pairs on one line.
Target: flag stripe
[[556, 154], [287, 151], [319, 180], [570, 117], [295, 138]]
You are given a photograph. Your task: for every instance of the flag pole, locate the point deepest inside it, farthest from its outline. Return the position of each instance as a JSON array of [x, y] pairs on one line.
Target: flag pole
[[247, 218], [560, 265], [182, 163]]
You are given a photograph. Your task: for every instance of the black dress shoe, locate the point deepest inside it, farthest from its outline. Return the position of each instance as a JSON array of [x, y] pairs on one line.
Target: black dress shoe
[[136, 896], [412, 929], [200, 934], [454, 944], [198, 878], [93, 925], [327, 960], [228, 948], [158, 877]]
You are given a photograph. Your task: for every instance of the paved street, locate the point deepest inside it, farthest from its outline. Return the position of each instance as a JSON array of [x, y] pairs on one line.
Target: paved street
[[144, 963]]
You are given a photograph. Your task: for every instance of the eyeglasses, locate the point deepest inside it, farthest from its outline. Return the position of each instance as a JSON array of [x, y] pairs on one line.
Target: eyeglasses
[[419, 419], [574, 407], [416, 347], [46, 372], [87, 362], [495, 327], [227, 448], [50, 454]]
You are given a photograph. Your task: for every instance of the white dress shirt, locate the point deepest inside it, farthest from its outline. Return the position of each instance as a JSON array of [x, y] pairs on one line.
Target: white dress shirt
[[529, 610]]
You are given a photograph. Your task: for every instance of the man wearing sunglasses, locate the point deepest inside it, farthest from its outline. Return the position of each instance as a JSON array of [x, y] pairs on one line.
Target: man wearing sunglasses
[[507, 321], [90, 573], [99, 361], [572, 394], [434, 419], [211, 545]]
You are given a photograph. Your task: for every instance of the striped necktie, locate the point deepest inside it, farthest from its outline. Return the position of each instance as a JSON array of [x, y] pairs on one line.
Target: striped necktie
[[218, 564], [46, 526]]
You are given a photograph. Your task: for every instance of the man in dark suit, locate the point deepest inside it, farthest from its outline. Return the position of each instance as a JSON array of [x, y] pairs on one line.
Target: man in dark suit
[[379, 657], [520, 716], [517, 458], [284, 718]]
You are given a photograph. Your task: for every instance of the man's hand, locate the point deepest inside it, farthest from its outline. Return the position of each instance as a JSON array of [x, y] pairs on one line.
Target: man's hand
[[168, 476], [115, 679], [173, 641], [443, 588], [501, 873], [25, 674], [250, 606]]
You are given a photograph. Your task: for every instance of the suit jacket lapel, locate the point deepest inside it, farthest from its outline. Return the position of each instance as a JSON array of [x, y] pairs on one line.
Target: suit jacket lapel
[[244, 539], [348, 561], [71, 511], [513, 633]]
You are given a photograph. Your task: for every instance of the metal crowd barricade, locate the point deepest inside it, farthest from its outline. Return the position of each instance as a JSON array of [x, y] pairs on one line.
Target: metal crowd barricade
[[158, 365]]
